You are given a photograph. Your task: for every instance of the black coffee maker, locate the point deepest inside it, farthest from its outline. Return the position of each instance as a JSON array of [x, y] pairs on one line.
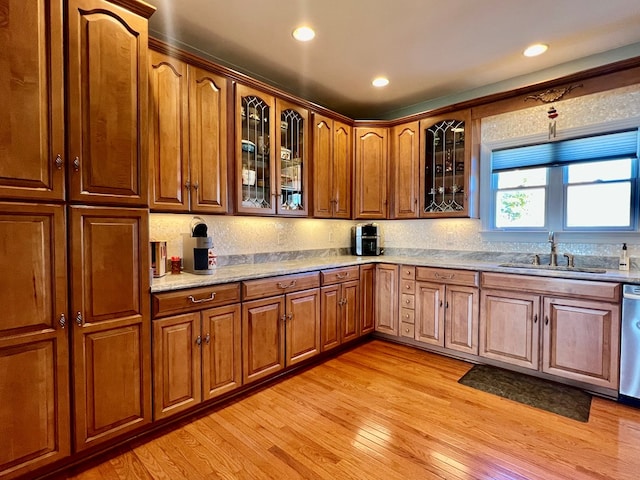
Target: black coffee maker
[[365, 239], [197, 247]]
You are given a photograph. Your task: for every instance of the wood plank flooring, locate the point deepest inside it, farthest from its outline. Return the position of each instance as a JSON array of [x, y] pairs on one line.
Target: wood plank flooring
[[383, 412]]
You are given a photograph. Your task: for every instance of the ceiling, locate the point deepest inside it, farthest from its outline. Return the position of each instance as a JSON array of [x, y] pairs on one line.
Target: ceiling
[[428, 49]]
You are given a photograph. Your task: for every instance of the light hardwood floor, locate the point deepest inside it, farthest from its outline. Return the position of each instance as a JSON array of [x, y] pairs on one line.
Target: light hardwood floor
[[383, 412]]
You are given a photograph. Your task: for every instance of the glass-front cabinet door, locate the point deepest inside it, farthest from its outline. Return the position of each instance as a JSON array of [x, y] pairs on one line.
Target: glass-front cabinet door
[[255, 151], [445, 165], [291, 165]]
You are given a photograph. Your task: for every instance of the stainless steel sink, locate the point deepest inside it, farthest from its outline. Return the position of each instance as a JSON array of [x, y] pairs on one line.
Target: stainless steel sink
[[554, 267]]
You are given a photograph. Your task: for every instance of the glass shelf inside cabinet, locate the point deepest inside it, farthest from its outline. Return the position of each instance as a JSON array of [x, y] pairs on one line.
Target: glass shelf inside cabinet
[[291, 161], [444, 167], [256, 183]]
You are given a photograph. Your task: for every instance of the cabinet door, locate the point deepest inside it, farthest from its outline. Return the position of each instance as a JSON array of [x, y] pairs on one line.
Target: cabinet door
[[262, 338], [255, 151], [32, 96], [342, 168], [208, 141], [221, 350], [110, 310], [292, 164], [371, 172], [461, 319], [367, 299], [176, 364], [386, 299], [107, 103], [322, 166], [405, 161], [168, 133], [350, 311], [581, 341], [330, 311], [509, 328], [302, 325], [445, 166], [34, 356], [429, 314]]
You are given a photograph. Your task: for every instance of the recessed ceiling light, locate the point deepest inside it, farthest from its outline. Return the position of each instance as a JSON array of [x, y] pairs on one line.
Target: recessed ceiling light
[[304, 34], [380, 82], [535, 50]]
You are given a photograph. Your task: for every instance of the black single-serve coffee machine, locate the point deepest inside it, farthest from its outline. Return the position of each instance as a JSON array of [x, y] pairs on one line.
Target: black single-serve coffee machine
[[197, 247], [365, 239]]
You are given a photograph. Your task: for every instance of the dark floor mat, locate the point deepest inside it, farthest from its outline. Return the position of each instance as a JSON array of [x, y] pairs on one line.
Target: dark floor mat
[[556, 398]]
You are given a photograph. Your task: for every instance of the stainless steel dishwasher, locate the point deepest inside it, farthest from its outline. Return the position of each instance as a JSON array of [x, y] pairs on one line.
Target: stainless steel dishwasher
[[630, 346]]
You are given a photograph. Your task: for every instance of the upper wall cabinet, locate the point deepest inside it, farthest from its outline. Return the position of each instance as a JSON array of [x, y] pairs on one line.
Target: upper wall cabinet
[[446, 166], [32, 95], [371, 155], [405, 170], [107, 103], [332, 167], [188, 137]]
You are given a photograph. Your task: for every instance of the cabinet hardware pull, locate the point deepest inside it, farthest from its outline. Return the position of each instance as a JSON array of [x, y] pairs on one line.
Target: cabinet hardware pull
[[283, 286], [283, 318], [58, 162], [187, 185], [546, 319], [445, 277], [211, 297], [289, 316], [440, 303], [207, 339], [407, 301], [535, 318], [408, 287], [446, 304], [76, 164], [406, 315], [196, 185], [198, 340], [406, 330], [342, 275], [62, 321], [79, 319]]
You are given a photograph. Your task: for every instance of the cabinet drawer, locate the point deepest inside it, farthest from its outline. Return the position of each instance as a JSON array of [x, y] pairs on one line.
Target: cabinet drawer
[[407, 272], [268, 287], [407, 315], [407, 330], [447, 275], [408, 286], [606, 291], [337, 275], [408, 301], [192, 299]]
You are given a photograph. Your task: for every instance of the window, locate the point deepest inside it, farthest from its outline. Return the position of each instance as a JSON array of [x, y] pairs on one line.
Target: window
[[580, 184]]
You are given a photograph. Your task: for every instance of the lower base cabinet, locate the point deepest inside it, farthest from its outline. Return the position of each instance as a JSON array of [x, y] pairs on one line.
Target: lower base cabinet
[[339, 306], [197, 357], [367, 298], [386, 299], [574, 337]]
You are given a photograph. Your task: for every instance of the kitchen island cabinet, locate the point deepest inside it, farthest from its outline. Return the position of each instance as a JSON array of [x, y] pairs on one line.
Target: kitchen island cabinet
[[280, 323], [196, 355]]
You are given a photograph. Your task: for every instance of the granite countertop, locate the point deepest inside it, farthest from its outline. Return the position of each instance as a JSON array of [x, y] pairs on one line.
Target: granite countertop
[[252, 271]]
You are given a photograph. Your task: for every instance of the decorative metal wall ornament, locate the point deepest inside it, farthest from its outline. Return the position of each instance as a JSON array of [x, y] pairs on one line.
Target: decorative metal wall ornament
[[552, 94]]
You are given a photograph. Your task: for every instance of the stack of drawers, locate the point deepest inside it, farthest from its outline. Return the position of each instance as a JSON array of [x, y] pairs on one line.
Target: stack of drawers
[[407, 301]]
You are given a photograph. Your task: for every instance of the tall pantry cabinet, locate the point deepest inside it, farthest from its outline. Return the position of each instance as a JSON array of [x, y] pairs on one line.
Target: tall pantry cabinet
[[74, 255]]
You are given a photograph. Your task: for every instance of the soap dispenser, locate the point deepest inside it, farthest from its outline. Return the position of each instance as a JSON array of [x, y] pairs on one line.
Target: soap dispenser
[[623, 264]]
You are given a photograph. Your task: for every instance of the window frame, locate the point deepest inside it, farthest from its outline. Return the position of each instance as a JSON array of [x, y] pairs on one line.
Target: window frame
[[556, 190]]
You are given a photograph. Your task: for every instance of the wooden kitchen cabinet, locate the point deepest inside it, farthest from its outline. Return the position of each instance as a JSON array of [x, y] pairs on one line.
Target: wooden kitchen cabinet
[[107, 102], [188, 137], [405, 170], [339, 306], [386, 299], [332, 168], [32, 162], [407, 301], [196, 357], [447, 170], [367, 298], [371, 172], [111, 345], [34, 336], [280, 325], [447, 308], [574, 337]]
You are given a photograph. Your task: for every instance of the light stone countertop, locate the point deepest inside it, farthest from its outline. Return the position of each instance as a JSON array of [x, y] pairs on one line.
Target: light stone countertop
[[252, 271]]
